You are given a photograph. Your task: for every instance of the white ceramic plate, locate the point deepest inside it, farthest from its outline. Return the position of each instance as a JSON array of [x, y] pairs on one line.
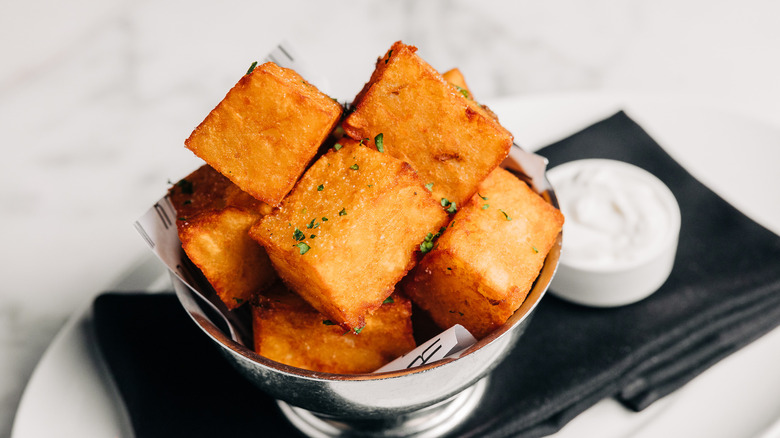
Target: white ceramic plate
[[70, 393]]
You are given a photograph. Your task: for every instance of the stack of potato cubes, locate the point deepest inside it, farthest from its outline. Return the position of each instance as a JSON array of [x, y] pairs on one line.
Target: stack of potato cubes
[[329, 223]]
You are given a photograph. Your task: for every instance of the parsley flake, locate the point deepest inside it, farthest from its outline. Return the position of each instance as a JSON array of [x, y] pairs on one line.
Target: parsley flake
[[185, 186], [320, 188], [303, 248], [505, 215], [354, 167], [429, 186], [484, 198], [357, 330], [328, 322], [535, 250], [324, 219], [427, 243], [379, 141], [337, 146], [450, 206], [463, 91], [251, 68], [343, 212], [298, 234], [312, 224], [388, 300], [486, 206]]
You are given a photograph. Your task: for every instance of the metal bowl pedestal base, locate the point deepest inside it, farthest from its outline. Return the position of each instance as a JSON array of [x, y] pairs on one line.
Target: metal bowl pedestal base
[[432, 421]]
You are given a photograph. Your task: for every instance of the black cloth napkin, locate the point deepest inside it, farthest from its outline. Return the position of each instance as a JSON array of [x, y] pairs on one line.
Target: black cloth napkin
[[724, 292]]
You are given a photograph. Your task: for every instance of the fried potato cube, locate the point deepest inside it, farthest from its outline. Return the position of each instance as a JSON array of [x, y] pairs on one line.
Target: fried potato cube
[[213, 221], [288, 330], [349, 231], [450, 140], [265, 131], [482, 267]]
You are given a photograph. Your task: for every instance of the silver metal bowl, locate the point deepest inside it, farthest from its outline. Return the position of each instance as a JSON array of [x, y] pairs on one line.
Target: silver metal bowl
[[423, 401]]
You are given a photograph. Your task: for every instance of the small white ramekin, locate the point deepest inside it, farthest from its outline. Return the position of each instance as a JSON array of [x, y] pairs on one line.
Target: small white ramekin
[[620, 283]]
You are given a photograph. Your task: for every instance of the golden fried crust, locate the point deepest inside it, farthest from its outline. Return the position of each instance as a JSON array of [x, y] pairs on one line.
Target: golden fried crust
[[288, 330], [265, 131], [206, 189], [484, 264], [218, 243], [349, 231], [450, 140], [213, 220]]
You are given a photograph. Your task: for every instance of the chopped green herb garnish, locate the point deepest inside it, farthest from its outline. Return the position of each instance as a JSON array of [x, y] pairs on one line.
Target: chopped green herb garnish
[[486, 206], [313, 236], [450, 206], [427, 244], [354, 167], [505, 215], [252, 67], [238, 300], [389, 53], [388, 300], [320, 188], [429, 186], [535, 250], [187, 202], [328, 322], [343, 212], [312, 224], [324, 219], [484, 198], [464, 92], [185, 186], [357, 330], [303, 248], [298, 234], [380, 142], [337, 146]]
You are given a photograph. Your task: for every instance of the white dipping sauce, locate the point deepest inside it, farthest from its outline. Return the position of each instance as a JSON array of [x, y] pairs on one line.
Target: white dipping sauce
[[616, 214]]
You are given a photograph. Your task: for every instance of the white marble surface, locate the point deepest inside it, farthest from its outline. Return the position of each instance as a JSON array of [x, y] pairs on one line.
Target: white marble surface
[[96, 98]]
